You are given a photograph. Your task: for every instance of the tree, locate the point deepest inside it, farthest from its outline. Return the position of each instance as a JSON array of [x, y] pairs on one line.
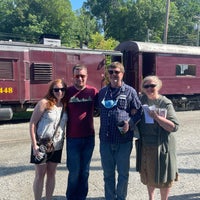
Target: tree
[[120, 20], [131, 19], [98, 42], [26, 20], [128, 19], [102, 11], [84, 27], [181, 29]]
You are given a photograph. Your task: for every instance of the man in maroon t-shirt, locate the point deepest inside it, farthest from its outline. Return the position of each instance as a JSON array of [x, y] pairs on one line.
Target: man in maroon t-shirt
[[80, 141]]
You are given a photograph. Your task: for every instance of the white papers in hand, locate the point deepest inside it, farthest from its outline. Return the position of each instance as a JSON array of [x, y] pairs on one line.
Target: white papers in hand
[[148, 118]]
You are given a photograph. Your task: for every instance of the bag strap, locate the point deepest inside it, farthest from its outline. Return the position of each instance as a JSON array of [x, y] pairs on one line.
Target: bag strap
[[58, 122]]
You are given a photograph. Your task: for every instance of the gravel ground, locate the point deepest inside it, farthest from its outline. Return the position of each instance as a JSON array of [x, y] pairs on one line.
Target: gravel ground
[[16, 173]]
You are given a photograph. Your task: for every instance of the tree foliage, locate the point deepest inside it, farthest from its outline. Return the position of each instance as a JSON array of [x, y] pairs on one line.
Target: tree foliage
[[107, 21], [131, 19], [99, 42], [26, 20], [84, 27], [181, 29]]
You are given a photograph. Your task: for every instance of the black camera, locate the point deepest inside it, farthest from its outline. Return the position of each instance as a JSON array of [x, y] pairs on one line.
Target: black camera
[[41, 158]]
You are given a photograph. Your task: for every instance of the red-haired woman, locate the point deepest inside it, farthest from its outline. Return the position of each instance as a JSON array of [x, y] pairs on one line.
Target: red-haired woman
[[48, 121]]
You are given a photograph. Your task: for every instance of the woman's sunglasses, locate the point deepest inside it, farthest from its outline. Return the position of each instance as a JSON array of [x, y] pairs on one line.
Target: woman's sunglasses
[[149, 86], [58, 89]]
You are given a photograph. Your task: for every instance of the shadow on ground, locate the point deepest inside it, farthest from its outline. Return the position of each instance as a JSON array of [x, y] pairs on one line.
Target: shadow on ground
[[64, 198], [186, 197], [176, 197]]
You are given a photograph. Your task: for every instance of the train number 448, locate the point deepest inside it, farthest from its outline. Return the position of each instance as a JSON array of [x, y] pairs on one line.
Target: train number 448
[[6, 90]]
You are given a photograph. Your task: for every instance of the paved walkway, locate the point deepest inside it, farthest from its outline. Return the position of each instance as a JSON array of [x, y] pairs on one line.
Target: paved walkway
[[16, 174]]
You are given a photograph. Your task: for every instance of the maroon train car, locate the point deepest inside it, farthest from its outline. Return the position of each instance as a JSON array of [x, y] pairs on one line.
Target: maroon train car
[[26, 70], [177, 66]]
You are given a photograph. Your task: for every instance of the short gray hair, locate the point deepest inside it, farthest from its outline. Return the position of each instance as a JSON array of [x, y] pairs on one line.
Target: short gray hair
[[156, 79]]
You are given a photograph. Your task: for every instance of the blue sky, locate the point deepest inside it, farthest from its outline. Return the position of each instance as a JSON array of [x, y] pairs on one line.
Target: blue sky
[[76, 4]]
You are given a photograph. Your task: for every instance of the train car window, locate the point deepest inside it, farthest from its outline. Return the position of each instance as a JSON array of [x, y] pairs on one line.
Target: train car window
[[73, 58], [41, 73], [185, 70], [6, 69]]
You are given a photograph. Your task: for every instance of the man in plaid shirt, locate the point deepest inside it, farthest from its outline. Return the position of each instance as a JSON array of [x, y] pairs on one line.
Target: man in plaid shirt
[[119, 106]]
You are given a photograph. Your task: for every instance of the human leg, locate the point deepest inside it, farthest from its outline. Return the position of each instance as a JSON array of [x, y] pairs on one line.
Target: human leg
[[73, 165], [122, 155], [151, 190], [85, 160], [108, 165], [164, 192], [50, 181], [38, 183]]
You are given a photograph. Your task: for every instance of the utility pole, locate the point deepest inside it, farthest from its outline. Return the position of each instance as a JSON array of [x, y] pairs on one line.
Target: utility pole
[[198, 30], [166, 21], [149, 34], [197, 27]]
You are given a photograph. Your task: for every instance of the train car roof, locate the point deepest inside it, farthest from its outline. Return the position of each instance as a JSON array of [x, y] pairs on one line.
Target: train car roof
[[22, 46], [157, 48]]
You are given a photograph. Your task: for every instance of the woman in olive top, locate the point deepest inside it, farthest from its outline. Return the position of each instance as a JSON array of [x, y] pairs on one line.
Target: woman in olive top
[[157, 132]]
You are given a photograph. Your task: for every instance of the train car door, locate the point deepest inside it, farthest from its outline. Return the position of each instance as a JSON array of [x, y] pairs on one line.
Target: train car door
[[60, 67], [148, 64], [131, 64]]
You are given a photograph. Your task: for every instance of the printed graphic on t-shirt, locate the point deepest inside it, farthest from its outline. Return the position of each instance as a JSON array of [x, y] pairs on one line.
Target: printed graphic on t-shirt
[[76, 99]]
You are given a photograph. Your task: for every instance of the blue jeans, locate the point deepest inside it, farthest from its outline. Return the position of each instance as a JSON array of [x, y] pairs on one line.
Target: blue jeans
[[116, 156], [79, 154]]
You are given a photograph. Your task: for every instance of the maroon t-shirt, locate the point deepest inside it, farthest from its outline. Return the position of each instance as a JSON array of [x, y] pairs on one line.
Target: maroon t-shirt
[[80, 108]]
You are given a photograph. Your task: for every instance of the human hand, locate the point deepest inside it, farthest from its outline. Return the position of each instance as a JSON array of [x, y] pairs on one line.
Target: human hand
[[36, 150], [153, 114], [123, 126]]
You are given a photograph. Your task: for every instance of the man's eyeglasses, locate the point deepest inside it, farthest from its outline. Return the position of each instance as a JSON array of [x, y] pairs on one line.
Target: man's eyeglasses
[[113, 72], [79, 76], [149, 86], [58, 89]]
